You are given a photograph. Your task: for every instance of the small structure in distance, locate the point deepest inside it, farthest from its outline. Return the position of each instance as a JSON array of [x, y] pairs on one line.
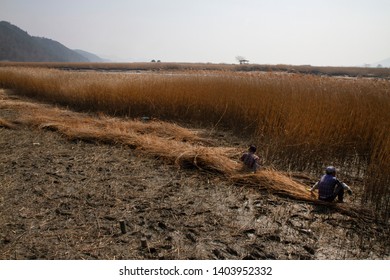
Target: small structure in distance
[[242, 60]]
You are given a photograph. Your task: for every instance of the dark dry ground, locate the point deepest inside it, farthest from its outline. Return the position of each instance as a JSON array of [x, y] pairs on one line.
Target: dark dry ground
[[64, 200]]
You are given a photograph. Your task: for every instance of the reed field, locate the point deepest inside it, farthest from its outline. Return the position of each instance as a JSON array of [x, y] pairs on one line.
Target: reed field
[[168, 66], [300, 122]]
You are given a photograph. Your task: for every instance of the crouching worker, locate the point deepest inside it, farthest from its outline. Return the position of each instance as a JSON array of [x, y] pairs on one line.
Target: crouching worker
[[329, 187], [250, 159]]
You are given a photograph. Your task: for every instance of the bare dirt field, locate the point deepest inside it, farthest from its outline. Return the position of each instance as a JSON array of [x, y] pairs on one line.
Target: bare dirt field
[[65, 199]]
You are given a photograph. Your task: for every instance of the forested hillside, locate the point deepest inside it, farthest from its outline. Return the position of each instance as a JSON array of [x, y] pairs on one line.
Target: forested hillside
[[18, 45]]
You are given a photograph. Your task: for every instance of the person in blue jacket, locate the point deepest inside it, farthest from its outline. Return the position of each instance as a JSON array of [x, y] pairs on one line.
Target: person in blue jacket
[[250, 159], [329, 187]]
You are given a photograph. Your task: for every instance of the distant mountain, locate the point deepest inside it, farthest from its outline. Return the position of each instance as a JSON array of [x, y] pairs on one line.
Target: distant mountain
[[18, 45], [90, 56], [383, 63]]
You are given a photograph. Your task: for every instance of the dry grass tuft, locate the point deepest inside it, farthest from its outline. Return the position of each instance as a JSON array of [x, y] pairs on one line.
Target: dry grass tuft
[[7, 124], [278, 182]]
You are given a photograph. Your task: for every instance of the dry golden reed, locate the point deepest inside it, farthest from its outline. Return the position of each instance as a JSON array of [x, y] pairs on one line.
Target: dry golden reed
[[299, 122]]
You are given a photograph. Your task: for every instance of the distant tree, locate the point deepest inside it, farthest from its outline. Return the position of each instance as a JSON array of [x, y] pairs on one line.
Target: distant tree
[[379, 66], [241, 59], [153, 61]]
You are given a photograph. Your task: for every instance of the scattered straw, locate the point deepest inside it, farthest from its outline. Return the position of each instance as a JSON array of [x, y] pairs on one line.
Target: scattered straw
[[7, 124]]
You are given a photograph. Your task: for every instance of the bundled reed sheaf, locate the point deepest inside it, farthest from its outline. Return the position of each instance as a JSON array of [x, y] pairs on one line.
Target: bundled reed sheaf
[[166, 141], [276, 182]]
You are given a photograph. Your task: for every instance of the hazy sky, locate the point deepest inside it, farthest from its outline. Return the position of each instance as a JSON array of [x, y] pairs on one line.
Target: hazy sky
[[316, 32]]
